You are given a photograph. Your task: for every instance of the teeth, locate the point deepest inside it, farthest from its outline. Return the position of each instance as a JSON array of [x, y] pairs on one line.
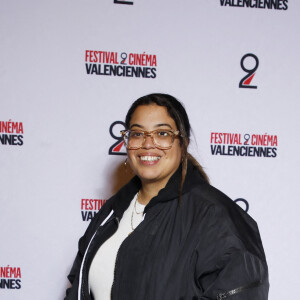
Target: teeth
[[150, 158]]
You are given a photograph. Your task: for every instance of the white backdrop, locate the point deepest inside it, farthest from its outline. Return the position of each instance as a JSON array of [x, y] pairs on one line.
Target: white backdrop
[[66, 115]]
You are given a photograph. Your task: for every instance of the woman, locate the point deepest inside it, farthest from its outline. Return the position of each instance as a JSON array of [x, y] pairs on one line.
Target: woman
[[168, 234]]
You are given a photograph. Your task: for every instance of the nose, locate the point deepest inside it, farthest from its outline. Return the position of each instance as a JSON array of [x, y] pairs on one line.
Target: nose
[[148, 144]]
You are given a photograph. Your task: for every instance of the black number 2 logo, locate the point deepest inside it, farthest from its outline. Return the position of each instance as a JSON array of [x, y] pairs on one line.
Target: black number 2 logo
[[116, 148], [245, 81], [123, 57]]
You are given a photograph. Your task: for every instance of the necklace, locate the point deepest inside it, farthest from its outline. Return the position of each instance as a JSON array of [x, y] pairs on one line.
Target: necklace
[[135, 211], [136, 200]]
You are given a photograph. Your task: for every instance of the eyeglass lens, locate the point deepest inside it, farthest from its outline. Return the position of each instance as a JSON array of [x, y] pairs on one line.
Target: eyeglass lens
[[161, 138]]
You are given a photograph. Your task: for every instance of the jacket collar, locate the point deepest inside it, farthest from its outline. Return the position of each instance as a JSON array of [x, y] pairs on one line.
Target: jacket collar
[[121, 200]]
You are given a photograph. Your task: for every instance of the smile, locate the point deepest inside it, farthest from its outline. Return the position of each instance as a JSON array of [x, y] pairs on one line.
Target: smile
[[150, 158]]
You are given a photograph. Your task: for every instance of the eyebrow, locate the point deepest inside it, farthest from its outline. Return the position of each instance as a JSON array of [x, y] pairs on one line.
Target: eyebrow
[[157, 125]]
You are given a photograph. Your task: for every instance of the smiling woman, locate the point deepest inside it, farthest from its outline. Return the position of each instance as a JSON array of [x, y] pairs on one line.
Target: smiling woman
[[153, 164], [168, 234]]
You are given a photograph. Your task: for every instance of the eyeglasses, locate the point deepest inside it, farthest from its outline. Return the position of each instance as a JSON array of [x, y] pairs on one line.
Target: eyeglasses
[[161, 138]]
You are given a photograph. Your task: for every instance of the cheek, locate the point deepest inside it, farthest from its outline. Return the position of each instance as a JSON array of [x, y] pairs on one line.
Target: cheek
[[178, 150], [130, 155], [175, 154]]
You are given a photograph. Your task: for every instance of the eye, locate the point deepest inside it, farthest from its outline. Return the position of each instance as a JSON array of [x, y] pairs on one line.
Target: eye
[[136, 134], [163, 133]]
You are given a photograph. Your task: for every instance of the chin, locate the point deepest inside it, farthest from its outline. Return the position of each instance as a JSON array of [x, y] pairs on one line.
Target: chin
[[148, 175]]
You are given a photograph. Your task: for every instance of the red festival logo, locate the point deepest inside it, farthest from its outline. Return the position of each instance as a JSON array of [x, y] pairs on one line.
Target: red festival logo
[[11, 133], [246, 80], [90, 207], [244, 145], [10, 277], [121, 64]]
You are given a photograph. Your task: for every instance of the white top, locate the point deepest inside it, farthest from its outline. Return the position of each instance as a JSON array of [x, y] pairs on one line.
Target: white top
[[101, 274]]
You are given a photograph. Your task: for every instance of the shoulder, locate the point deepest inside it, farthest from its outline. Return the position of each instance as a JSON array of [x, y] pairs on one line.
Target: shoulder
[[200, 194], [224, 215], [204, 194]]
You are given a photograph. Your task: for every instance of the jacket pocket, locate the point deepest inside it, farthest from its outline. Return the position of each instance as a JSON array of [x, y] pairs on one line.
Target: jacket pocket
[[227, 294]]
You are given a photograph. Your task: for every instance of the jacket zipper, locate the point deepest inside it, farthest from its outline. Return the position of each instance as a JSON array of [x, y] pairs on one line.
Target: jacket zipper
[[230, 293]]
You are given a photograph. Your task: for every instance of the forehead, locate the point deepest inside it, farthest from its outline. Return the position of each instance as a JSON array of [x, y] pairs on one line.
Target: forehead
[[151, 116]]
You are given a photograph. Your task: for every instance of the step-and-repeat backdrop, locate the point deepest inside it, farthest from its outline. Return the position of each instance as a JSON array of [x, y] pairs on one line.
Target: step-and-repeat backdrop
[[69, 71]]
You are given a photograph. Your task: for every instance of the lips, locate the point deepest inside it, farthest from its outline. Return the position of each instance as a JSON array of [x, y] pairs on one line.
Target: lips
[[149, 158]]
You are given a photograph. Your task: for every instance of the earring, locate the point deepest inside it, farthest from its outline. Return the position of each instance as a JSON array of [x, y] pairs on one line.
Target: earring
[[125, 162]]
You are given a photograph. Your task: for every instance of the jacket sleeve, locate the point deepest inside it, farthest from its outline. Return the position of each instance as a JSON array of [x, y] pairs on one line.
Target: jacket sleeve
[[230, 257], [73, 277], [71, 292]]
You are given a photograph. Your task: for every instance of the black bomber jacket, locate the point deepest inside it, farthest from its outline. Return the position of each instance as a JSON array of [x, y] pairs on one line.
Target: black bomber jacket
[[202, 246]]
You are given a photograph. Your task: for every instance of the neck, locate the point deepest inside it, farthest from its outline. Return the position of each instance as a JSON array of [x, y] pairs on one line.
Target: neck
[[148, 191]]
